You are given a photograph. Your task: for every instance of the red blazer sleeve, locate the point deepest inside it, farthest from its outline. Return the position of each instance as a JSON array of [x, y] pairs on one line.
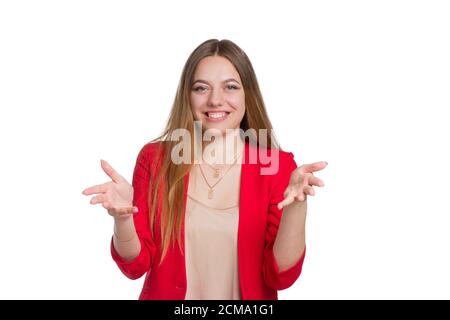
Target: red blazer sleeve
[[143, 262], [271, 274]]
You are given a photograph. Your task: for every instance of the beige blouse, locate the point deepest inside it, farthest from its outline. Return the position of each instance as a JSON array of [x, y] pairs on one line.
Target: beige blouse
[[211, 229]]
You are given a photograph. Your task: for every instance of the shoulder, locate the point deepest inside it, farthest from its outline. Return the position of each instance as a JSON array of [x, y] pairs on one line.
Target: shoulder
[[148, 157], [287, 158], [287, 163], [150, 149], [286, 155], [280, 161]]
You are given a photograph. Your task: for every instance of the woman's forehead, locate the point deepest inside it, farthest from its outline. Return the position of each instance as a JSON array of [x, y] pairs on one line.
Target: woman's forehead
[[216, 68]]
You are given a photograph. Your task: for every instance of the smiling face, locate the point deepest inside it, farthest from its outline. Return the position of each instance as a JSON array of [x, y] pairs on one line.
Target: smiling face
[[217, 95]]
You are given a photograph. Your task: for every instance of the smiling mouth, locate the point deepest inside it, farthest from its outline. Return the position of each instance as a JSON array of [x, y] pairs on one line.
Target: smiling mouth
[[217, 115]]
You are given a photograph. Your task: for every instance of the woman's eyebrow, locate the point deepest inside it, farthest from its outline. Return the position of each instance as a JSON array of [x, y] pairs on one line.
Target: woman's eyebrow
[[224, 81]]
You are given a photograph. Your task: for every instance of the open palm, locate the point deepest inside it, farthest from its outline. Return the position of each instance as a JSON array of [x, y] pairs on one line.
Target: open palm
[[116, 196]]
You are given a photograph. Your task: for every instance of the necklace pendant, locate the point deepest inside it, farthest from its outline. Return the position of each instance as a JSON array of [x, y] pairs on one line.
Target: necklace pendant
[[210, 194]]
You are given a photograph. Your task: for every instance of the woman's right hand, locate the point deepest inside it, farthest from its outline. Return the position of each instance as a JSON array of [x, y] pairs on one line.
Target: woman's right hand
[[116, 196]]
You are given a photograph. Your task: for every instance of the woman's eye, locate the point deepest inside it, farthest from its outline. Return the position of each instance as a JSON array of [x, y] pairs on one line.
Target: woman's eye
[[201, 89], [232, 87]]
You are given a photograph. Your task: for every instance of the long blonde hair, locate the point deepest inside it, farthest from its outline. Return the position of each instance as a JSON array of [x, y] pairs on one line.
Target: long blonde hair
[[168, 183]]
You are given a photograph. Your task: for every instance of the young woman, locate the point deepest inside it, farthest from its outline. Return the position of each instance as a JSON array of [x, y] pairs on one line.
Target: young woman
[[221, 216]]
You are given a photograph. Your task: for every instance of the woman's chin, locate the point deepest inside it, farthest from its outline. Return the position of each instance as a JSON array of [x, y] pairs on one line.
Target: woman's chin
[[216, 128]]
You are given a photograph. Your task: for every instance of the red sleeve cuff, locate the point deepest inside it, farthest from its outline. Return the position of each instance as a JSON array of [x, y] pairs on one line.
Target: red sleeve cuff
[[135, 268], [284, 279]]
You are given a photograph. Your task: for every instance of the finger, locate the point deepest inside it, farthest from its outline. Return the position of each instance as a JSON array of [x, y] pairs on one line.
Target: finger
[[287, 201], [309, 191], [100, 188], [127, 211], [107, 205], [119, 212], [98, 199], [313, 167], [300, 197], [116, 177], [315, 181]]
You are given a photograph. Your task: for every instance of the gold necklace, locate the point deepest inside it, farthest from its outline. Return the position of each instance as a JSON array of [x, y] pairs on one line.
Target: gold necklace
[[211, 187], [217, 170]]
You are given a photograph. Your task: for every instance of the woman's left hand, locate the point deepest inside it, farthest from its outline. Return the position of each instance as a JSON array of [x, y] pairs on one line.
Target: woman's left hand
[[302, 182]]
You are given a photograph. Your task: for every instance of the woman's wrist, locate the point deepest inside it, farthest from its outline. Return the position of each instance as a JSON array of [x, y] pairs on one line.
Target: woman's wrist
[[123, 240], [123, 220], [124, 230]]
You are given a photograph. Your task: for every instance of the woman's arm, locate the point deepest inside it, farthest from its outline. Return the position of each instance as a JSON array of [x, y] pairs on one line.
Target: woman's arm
[[125, 239], [290, 241], [132, 246], [272, 275]]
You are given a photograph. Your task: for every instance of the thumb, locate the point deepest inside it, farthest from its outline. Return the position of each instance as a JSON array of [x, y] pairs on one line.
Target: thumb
[[287, 201]]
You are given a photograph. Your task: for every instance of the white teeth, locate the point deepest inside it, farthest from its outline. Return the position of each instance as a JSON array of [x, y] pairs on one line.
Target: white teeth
[[216, 115]]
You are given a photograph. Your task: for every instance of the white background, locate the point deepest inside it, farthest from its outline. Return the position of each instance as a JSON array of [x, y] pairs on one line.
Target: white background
[[363, 85]]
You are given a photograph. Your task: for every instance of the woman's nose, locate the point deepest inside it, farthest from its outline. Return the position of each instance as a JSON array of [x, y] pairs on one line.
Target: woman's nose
[[215, 98]]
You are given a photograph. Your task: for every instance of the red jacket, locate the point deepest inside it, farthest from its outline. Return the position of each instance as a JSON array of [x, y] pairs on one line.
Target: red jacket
[[259, 219]]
